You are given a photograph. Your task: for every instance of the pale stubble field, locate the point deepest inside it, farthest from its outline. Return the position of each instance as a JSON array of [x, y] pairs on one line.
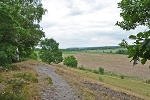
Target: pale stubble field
[[112, 62]]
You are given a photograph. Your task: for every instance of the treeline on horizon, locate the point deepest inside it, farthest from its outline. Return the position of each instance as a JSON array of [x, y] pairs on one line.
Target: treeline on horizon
[[91, 48]]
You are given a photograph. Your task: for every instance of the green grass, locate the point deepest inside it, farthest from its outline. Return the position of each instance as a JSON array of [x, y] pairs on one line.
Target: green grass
[[138, 87]]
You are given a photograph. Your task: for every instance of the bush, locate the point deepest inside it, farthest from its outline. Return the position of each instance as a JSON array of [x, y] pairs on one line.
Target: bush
[[101, 70], [70, 61], [122, 76], [148, 81], [96, 71], [81, 68]]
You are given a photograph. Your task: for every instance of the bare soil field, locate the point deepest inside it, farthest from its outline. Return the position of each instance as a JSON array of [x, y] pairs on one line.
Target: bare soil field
[[113, 62]]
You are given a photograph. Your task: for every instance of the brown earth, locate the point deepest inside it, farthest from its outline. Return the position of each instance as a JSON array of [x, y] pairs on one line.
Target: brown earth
[[113, 62]]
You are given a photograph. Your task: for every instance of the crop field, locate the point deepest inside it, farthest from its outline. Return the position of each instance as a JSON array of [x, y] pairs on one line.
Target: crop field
[[116, 63]]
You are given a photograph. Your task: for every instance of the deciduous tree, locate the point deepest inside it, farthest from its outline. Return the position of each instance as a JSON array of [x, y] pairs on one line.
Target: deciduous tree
[[136, 13], [50, 51], [19, 27]]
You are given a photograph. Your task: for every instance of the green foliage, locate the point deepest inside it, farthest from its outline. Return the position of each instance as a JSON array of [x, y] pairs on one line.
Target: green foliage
[[20, 30], [34, 56], [7, 52], [70, 61], [122, 76], [148, 81], [11, 96], [96, 71], [81, 68], [136, 13], [50, 51], [101, 70]]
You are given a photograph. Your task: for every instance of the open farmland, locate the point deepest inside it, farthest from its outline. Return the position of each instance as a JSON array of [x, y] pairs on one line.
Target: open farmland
[[112, 62]]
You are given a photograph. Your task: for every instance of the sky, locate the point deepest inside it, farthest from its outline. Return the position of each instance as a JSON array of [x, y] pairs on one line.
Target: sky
[[84, 23]]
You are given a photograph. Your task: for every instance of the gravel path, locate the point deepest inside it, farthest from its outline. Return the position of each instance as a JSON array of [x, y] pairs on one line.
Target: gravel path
[[60, 90]]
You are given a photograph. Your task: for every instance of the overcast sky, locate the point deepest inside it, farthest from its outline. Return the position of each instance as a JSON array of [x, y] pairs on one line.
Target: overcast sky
[[84, 23]]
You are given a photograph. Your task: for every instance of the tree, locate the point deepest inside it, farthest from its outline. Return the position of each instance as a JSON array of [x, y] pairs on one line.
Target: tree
[[49, 51], [136, 13], [70, 61], [19, 27]]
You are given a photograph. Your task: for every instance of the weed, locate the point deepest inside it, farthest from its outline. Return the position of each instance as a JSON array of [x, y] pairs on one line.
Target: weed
[[81, 68], [88, 69], [49, 80], [16, 84], [11, 96], [26, 76], [96, 71]]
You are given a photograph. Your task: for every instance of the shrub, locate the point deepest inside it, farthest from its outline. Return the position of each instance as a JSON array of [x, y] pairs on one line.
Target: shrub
[[101, 70], [70, 61], [148, 81], [49, 80], [88, 69], [81, 68], [122, 76], [96, 71]]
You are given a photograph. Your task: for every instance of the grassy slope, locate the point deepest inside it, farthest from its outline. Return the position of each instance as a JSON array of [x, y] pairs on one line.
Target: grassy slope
[[20, 84], [129, 86]]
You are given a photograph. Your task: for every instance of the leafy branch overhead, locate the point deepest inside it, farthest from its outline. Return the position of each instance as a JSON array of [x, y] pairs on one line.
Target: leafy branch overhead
[[136, 13]]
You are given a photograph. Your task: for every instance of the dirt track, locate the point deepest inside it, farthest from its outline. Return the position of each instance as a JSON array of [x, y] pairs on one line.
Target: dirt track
[[60, 90]]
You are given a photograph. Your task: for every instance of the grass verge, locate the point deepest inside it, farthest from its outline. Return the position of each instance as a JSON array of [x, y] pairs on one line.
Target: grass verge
[[21, 83]]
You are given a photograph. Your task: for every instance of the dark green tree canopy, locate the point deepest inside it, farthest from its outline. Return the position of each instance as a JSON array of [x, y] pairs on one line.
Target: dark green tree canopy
[[19, 26], [50, 51], [136, 13]]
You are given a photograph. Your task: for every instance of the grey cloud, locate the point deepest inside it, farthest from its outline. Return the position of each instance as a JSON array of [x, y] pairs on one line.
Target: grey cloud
[[75, 12], [45, 24]]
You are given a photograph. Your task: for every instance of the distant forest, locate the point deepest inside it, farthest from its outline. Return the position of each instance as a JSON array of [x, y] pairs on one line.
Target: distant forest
[[91, 48]]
